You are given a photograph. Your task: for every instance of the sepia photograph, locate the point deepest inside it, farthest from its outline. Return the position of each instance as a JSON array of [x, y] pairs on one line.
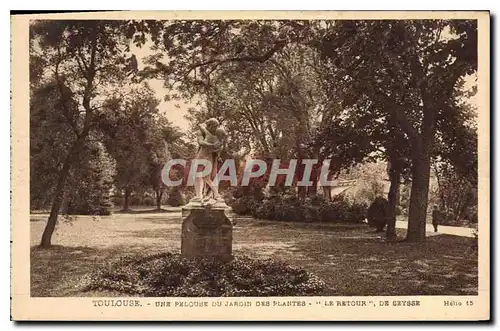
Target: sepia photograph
[[317, 164]]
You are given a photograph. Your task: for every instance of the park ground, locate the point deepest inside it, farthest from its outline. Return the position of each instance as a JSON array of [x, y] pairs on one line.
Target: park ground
[[351, 259]]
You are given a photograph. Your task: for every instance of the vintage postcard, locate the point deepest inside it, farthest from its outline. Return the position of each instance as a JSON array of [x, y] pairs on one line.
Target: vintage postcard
[[251, 166]]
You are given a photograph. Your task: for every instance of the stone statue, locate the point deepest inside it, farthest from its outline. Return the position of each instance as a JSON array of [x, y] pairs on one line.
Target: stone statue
[[210, 138], [206, 229]]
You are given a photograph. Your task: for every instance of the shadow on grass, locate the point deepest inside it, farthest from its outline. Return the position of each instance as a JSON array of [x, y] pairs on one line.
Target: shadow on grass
[[57, 271], [443, 265], [353, 261]]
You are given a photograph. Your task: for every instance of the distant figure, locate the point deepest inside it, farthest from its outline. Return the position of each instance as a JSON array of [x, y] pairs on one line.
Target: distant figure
[[436, 217]]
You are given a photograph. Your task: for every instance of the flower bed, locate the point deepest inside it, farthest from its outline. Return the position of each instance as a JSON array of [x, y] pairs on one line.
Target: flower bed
[[170, 275]]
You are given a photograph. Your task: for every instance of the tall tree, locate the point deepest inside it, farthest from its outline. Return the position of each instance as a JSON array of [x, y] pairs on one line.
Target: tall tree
[[164, 143], [128, 122], [50, 138], [82, 56], [410, 69]]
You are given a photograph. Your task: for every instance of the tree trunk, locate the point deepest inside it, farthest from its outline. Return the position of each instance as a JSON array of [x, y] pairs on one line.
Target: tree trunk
[[126, 203], [417, 216], [159, 195], [59, 191], [77, 146], [312, 191], [301, 192], [328, 192], [65, 204], [56, 203], [392, 197]]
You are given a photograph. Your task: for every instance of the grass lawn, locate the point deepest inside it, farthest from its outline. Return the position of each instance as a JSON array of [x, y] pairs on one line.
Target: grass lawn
[[352, 260]]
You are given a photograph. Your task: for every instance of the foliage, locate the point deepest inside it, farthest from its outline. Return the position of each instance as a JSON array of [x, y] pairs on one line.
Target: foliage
[[90, 194], [370, 180], [457, 196], [127, 124], [455, 167], [175, 197], [242, 205], [50, 140], [84, 58], [405, 74], [137, 135], [170, 275], [349, 91], [290, 208]]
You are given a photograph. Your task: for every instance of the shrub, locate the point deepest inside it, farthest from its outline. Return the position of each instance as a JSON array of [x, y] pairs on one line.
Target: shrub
[[175, 198], [135, 199], [289, 208], [86, 208], [148, 201], [171, 275], [118, 200], [378, 213], [266, 209], [91, 185], [244, 205]]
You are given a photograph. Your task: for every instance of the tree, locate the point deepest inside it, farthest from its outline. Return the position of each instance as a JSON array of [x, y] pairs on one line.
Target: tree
[[455, 159], [360, 131], [128, 122], [81, 57], [410, 70], [91, 182], [405, 71], [50, 138], [164, 143]]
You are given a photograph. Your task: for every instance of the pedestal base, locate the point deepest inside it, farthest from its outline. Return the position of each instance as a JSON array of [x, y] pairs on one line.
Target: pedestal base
[[206, 232]]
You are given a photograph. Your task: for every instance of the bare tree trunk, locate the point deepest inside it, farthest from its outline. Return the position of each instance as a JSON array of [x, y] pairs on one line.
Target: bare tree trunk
[[392, 197], [159, 195], [56, 204], [440, 188], [417, 217], [313, 190], [126, 200], [59, 192], [421, 158], [328, 192]]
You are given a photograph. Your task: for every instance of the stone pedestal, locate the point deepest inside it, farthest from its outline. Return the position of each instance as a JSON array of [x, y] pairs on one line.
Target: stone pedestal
[[206, 232]]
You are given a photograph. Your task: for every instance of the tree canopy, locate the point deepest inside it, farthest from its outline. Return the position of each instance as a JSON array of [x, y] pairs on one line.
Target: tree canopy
[[350, 91]]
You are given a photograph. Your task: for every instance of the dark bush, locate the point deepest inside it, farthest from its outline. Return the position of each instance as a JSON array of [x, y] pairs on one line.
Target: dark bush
[[90, 188], [170, 275], [378, 213], [91, 200], [175, 198], [135, 200], [266, 209], [244, 205], [118, 200], [289, 208], [94, 208], [148, 201]]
